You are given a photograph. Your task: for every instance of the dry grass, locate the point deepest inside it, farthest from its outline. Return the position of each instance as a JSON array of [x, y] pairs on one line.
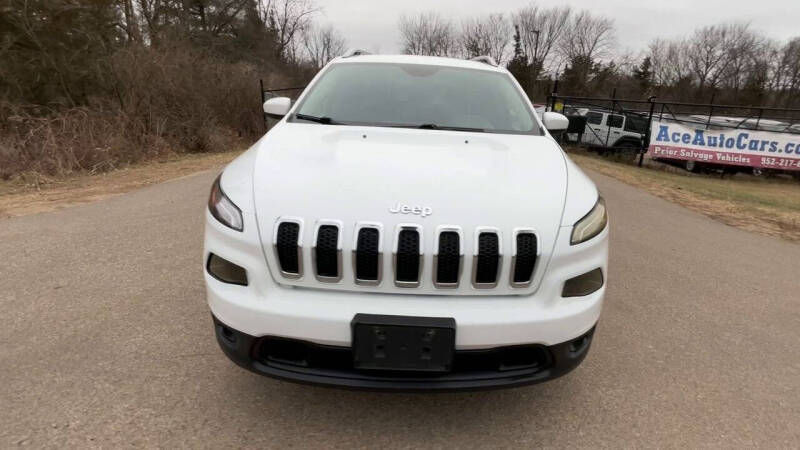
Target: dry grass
[[33, 193], [158, 101], [766, 206]]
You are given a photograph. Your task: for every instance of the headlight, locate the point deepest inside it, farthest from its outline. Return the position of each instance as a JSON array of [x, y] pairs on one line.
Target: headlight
[[223, 209], [591, 225]]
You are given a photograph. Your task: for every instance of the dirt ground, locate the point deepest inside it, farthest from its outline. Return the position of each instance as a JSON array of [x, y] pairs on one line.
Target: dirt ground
[[33, 193]]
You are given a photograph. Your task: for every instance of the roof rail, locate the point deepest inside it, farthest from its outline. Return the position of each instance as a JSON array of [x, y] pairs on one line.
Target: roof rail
[[355, 52], [485, 59]]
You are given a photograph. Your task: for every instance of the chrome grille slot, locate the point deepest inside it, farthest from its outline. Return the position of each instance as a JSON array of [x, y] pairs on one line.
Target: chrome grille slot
[[524, 259], [445, 248], [367, 257], [287, 249], [447, 261], [408, 257], [487, 260], [327, 254]]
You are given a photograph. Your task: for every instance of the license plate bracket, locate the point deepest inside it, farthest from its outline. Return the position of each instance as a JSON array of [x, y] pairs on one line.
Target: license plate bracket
[[403, 343]]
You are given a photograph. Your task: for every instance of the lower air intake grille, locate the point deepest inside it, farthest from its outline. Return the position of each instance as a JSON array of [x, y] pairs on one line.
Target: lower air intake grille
[[367, 260], [488, 259], [286, 245], [408, 257], [448, 258], [526, 257], [327, 252]]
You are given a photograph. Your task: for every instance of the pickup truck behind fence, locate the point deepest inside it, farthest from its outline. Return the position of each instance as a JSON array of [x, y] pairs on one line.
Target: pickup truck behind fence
[[695, 136]]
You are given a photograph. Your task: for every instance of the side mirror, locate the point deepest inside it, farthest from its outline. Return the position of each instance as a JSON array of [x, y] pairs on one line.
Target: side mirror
[[555, 122], [277, 107]]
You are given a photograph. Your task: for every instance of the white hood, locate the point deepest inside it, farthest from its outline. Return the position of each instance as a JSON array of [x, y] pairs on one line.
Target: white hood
[[357, 174]]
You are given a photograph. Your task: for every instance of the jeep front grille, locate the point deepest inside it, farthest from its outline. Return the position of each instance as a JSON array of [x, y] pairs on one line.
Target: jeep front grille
[[487, 260], [367, 259], [406, 244], [327, 254], [408, 258], [447, 261], [287, 248], [524, 259]]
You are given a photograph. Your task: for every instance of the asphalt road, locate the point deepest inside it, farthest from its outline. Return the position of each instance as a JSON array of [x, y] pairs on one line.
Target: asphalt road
[[107, 341]]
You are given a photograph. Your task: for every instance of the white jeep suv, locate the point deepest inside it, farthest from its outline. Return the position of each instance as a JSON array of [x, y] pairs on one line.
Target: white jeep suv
[[409, 223]]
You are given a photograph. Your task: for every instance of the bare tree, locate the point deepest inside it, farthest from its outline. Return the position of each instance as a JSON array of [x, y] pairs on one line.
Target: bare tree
[[787, 75], [743, 48], [708, 54], [487, 35], [540, 30], [322, 44], [128, 20], [428, 34], [585, 40], [288, 19], [727, 57], [151, 12], [669, 62], [587, 37], [214, 17]]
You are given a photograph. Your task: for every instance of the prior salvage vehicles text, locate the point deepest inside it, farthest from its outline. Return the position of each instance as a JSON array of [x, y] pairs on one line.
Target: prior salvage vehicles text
[[756, 148], [409, 223]]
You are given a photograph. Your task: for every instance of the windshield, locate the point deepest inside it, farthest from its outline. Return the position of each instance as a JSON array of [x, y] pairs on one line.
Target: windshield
[[417, 96]]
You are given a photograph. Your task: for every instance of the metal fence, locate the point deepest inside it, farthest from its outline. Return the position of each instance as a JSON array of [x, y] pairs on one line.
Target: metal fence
[[642, 113]]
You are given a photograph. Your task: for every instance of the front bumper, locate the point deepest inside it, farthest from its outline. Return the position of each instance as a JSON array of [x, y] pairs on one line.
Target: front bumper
[[268, 308], [318, 320], [308, 362]]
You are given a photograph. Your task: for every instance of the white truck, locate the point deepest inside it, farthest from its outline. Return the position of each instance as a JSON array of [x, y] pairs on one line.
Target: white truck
[[612, 132], [409, 223]]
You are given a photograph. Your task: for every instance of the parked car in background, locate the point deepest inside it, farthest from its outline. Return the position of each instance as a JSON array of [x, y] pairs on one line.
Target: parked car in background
[[608, 132], [612, 130]]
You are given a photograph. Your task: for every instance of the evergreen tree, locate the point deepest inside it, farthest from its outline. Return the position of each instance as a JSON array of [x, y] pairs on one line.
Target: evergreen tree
[[518, 66], [644, 74], [577, 74]]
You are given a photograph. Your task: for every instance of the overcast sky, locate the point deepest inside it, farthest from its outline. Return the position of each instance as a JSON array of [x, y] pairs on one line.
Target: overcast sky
[[372, 24]]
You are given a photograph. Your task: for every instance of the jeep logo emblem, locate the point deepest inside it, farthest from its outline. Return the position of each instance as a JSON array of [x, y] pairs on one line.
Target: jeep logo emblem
[[422, 211]]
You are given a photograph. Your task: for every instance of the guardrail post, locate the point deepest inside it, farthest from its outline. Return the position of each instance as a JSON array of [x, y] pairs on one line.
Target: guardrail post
[[613, 110], [647, 133], [554, 95], [711, 108]]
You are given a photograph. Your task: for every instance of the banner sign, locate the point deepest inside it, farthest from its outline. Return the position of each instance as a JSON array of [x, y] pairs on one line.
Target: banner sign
[[763, 149]]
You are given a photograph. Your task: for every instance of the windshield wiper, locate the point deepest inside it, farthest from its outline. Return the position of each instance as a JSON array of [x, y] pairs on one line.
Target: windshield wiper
[[322, 120], [433, 126]]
